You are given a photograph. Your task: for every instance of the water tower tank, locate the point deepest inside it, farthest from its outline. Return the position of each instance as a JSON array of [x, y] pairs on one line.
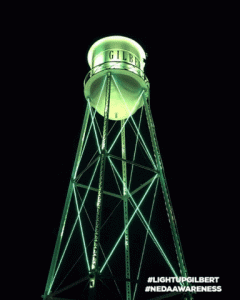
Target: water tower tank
[[125, 59]]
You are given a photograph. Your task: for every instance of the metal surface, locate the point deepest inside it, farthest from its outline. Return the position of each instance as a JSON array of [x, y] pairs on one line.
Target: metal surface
[[115, 87], [96, 190], [165, 191], [94, 266], [116, 48], [125, 211], [126, 60], [133, 163], [126, 88], [66, 207]]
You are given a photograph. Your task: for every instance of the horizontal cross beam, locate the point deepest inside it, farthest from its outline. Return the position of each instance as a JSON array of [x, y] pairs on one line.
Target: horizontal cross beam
[[133, 163], [67, 288], [96, 190], [113, 194]]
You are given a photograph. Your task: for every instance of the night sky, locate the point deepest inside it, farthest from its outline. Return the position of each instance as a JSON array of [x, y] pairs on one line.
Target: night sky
[[182, 67]]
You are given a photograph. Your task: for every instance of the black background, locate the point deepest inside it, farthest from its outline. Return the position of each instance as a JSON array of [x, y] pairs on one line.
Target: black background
[[184, 66]]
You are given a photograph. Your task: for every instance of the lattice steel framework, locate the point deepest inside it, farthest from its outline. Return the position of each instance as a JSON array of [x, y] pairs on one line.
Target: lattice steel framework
[[130, 199]]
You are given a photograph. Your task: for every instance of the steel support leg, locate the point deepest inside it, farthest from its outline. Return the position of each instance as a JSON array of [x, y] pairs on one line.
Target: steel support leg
[[66, 207], [94, 273], [125, 209], [172, 220]]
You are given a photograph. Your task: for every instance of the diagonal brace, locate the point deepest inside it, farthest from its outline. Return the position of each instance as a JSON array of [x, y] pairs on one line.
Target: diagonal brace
[[166, 195], [145, 222]]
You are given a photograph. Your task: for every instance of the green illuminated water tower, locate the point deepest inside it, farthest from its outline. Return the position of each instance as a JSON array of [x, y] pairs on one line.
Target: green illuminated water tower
[[117, 91]]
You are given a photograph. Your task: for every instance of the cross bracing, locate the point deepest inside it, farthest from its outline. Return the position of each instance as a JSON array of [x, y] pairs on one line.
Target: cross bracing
[[105, 169]]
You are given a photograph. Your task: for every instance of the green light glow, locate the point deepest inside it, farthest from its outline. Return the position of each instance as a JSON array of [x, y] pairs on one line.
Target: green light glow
[[135, 150], [101, 45], [64, 251], [147, 151], [94, 126], [81, 229], [145, 224], [145, 241], [83, 146], [89, 185], [75, 223], [115, 88], [125, 121], [89, 107], [129, 219]]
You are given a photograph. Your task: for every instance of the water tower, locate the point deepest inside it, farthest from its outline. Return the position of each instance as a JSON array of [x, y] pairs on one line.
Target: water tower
[[114, 185]]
